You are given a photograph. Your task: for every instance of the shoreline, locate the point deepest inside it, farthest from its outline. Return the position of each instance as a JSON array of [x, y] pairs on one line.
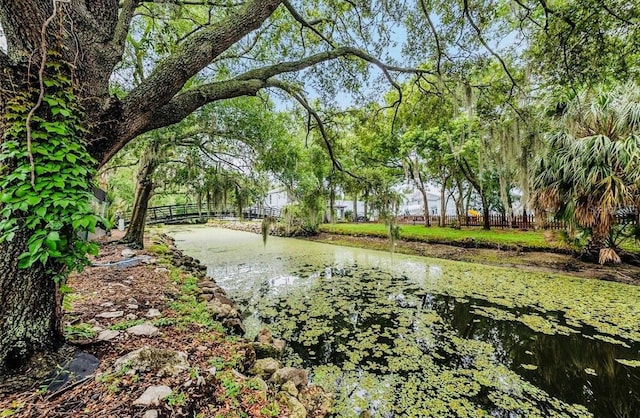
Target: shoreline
[[155, 336], [530, 260]]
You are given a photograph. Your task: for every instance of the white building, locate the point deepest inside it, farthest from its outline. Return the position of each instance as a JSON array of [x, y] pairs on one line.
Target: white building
[[277, 198], [414, 204]]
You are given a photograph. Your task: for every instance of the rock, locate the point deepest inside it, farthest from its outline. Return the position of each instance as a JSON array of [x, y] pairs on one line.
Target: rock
[[151, 413], [150, 261], [159, 360], [80, 366], [296, 409], [265, 367], [161, 270], [222, 298], [279, 344], [234, 325], [238, 374], [222, 310], [153, 313], [106, 304], [290, 388], [206, 297], [131, 317], [132, 306], [264, 336], [264, 350], [128, 253], [153, 395], [299, 377], [208, 283], [108, 335], [249, 357], [110, 315], [319, 403], [144, 330]]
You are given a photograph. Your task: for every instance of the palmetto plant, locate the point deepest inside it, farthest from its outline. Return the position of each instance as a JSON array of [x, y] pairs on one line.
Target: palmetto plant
[[591, 167]]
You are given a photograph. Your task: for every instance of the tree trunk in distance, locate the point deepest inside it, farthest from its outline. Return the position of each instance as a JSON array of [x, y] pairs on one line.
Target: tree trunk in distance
[[355, 208], [134, 237], [144, 190], [486, 222], [332, 205]]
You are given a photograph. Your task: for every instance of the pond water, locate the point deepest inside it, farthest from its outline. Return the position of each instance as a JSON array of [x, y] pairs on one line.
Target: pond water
[[410, 336]]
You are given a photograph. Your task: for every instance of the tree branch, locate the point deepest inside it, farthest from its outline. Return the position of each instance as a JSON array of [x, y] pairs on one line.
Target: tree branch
[[127, 10], [245, 84], [467, 13], [305, 24], [432, 28], [311, 111], [170, 75]]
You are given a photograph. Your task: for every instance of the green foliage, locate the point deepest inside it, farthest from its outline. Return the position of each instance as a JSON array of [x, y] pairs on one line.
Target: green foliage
[[79, 331], [589, 169], [56, 207], [271, 410], [14, 408], [231, 387], [176, 399], [122, 325]]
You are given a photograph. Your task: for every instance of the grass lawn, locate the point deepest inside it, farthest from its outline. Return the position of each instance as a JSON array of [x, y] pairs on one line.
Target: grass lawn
[[466, 236]]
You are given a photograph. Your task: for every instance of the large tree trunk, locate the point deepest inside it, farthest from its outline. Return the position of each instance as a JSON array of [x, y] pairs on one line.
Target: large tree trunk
[[30, 306], [92, 35]]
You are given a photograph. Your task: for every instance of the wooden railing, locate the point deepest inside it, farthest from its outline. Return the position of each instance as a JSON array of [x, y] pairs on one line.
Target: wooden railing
[[499, 221], [191, 211]]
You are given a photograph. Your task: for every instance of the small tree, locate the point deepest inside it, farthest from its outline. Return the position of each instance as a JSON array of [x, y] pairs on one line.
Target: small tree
[[590, 168]]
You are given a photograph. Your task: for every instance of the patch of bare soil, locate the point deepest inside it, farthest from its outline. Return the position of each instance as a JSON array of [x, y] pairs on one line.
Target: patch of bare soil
[[108, 299], [531, 261]]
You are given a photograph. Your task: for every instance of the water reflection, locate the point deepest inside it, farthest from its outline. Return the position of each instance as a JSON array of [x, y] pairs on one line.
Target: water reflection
[[414, 337]]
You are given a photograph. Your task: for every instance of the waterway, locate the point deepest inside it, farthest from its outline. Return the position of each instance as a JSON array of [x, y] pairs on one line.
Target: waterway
[[399, 335]]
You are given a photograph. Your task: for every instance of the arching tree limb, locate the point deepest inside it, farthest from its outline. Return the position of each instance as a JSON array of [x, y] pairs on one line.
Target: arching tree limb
[[170, 75], [249, 83]]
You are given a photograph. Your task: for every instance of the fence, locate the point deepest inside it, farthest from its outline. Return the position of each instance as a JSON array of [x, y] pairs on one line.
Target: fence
[[495, 221], [500, 221]]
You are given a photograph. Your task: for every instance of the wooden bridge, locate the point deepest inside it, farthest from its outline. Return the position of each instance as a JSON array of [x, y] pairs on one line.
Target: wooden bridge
[[173, 214]]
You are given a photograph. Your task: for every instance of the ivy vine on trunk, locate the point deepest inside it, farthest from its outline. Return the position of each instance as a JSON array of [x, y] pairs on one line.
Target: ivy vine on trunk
[[40, 220]]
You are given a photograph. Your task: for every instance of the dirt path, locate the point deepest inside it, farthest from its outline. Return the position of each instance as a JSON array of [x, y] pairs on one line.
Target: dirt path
[[530, 261]]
